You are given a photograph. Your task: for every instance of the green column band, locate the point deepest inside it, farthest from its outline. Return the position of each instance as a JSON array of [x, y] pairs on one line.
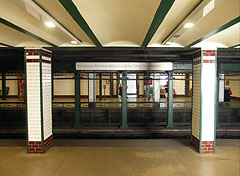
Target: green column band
[[4, 93], [170, 100], [124, 100], [41, 99], [77, 99], [100, 86]]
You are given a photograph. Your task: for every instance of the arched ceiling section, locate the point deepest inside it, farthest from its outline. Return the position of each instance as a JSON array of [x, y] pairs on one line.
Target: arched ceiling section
[[176, 14], [118, 20], [58, 12], [17, 39], [118, 23], [226, 11]]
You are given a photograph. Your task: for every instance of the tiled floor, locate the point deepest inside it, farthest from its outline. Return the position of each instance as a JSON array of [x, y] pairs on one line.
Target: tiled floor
[[120, 158]]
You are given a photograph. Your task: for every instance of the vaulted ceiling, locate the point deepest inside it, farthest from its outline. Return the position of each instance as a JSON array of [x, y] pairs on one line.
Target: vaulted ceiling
[[119, 23]]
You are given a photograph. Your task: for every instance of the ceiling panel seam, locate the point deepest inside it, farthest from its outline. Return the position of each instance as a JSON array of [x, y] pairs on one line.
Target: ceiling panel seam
[[77, 17], [159, 16]]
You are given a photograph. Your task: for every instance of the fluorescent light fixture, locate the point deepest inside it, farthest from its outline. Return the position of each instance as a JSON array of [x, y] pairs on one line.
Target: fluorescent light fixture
[[74, 42], [188, 25], [50, 24], [168, 43]]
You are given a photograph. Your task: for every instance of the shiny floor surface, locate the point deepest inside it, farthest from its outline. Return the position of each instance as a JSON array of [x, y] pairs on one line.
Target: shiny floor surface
[[166, 157]]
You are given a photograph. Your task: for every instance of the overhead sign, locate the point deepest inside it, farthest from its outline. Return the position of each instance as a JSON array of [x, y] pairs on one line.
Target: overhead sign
[[103, 66]]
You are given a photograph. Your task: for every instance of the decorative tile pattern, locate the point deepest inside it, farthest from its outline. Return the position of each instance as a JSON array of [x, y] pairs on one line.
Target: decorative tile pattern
[[196, 107]]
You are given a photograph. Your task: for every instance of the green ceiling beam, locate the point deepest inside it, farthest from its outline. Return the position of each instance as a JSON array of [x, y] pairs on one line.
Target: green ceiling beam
[[225, 26], [234, 46], [6, 45], [73, 11], [159, 16], [9, 24]]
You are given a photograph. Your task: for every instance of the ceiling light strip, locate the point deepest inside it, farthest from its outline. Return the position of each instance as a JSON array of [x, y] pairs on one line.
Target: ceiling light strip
[[73, 11], [179, 24], [45, 13], [9, 24], [159, 16], [225, 26]]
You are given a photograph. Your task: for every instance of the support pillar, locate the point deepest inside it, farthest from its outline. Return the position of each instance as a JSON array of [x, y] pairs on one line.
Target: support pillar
[[77, 100], [124, 100], [204, 101], [91, 89], [156, 87], [186, 84], [170, 100], [221, 83], [38, 100], [100, 86], [4, 95]]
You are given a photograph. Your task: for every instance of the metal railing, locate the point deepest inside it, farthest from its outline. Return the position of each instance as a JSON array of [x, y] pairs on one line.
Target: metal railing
[[147, 113], [229, 113], [182, 113]]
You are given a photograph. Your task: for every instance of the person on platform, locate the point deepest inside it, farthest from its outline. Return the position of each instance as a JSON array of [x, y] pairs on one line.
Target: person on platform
[[227, 92]]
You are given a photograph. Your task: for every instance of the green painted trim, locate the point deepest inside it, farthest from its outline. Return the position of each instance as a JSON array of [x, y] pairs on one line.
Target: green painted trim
[[216, 103], [229, 67], [100, 86], [187, 84], [9, 24], [6, 45], [159, 16], [225, 26], [41, 98], [77, 99], [234, 46], [124, 100], [73, 11], [200, 135], [170, 100], [4, 96], [25, 98]]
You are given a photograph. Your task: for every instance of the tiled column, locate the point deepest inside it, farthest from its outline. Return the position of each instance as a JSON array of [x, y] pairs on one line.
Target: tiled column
[[38, 99], [91, 89], [204, 101]]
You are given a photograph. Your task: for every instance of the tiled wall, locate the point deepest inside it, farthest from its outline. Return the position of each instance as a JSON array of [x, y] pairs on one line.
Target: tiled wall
[[47, 96], [33, 97], [196, 107]]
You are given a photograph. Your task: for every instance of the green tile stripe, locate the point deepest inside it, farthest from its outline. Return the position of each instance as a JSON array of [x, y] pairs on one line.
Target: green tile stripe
[[73, 11], [41, 99], [200, 135], [159, 16], [25, 98], [9, 24], [216, 103], [225, 26]]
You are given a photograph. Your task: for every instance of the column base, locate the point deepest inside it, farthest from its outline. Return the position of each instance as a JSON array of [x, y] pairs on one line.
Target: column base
[[35, 147], [206, 146]]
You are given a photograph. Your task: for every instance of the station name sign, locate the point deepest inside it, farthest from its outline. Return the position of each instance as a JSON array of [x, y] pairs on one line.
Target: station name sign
[[119, 66]]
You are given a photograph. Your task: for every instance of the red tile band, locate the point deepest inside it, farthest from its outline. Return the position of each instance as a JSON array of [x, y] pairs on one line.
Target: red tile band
[[45, 53], [46, 61], [32, 60], [208, 61], [207, 146]]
